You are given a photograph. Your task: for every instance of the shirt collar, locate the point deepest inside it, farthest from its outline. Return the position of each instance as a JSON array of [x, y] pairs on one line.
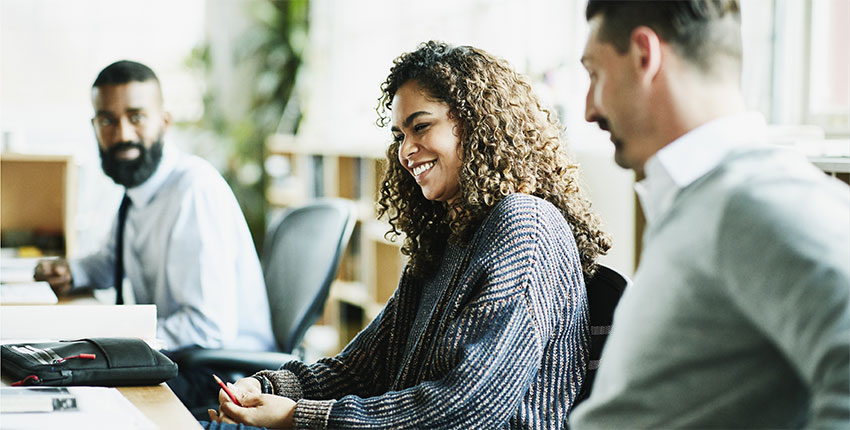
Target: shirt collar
[[142, 194], [691, 156]]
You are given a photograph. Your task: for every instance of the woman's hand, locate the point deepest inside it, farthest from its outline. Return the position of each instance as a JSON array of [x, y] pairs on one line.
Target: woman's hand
[[259, 410], [240, 389], [245, 386]]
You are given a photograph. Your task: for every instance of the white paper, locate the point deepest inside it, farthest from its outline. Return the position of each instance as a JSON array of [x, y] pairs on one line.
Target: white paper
[[97, 408], [78, 321], [17, 269], [36, 399], [27, 293]]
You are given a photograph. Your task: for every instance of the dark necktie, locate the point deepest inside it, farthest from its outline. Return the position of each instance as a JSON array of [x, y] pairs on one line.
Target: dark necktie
[[119, 250]]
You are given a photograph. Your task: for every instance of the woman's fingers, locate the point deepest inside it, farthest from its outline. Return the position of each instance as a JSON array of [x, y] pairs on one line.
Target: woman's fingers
[[251, 399]]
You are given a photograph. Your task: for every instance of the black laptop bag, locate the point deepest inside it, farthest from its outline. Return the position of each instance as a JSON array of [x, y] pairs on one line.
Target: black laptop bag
[[108, 362]]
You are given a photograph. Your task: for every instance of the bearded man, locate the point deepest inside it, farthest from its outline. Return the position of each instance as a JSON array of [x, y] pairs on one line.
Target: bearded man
[[179, 239]]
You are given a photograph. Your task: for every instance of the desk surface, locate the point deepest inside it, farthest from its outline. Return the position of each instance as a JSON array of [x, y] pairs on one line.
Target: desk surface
[[161, 406], [157, 402]]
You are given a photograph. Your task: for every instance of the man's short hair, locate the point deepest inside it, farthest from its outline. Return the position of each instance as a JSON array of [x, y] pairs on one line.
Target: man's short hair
[[699, 30], [122, 72]]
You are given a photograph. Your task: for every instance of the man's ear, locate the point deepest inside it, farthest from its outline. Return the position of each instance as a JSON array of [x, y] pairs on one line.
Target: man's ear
[[645, 49], [166, 121]]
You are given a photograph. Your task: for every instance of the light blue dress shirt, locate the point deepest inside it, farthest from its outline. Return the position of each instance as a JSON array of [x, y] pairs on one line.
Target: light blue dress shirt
[[691, 156], [188, 250], [739, 313]]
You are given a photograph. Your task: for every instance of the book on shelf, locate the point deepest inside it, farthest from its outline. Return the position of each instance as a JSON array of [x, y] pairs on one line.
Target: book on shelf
[[36, 399]]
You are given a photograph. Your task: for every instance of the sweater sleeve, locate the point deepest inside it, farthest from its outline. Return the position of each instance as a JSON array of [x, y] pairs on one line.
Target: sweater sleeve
[[492, 369], [785, 258], [359, 368], [489, 355]]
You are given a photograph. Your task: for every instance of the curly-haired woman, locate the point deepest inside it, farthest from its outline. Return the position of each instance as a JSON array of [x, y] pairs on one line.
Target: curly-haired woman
[[488, 327]]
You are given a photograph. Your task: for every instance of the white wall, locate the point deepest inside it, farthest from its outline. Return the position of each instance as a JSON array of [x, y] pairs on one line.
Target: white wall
[[353, 45], [53, 49], [51, 52]]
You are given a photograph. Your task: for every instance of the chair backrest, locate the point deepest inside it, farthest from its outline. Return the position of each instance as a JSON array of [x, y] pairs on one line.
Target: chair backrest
[[300, 259], [603, 293]]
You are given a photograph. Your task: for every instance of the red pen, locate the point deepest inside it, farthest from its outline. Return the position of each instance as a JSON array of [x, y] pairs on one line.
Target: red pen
[[226, 390]]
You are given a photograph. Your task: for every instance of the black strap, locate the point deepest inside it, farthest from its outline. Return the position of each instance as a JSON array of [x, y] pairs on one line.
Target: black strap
[[119, 250]]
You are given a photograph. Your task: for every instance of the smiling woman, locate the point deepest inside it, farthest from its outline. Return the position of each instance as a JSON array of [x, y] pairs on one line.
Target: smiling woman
[[478, 106], [488, 327], [428, 143]]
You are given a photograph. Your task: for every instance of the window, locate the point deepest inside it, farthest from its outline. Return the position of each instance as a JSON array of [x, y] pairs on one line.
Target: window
[[829, 67], [796, 63]]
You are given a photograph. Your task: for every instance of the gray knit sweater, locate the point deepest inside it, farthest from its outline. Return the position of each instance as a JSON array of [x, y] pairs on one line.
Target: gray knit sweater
[[505, 345]]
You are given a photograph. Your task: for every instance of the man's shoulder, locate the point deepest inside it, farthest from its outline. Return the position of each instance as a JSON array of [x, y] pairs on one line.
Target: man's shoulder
[[779, 191], [759, 176], [775, 176], [191, 171]]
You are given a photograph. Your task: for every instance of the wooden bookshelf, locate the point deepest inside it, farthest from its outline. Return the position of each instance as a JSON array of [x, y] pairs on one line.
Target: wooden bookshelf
[[37, 202], [371, 266]]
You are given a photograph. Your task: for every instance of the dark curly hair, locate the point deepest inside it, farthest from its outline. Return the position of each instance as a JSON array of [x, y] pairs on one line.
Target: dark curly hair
[[510, 144]]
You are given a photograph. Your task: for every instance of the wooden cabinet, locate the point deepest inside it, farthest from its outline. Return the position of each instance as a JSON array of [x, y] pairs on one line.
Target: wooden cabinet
[[371, 266], [37, 202]]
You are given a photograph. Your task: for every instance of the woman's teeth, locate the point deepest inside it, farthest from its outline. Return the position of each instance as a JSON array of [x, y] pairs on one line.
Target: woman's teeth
[[423, 167]]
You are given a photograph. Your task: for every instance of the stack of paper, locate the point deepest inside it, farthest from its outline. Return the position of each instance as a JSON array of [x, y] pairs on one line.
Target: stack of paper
[[77, 321], [27, 293], [17, 286], [96, 408], [14, 270], [36, 399]]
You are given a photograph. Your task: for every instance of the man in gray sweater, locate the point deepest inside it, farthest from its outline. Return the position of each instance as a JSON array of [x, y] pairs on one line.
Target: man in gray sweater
[[739, 314]]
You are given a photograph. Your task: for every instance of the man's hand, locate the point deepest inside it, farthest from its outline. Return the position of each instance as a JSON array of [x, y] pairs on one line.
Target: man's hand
[[260, 410], [57, 273]]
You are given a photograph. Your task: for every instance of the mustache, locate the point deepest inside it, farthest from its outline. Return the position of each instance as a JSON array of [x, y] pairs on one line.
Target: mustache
[[131, 173], [602, 123], [122, 146]]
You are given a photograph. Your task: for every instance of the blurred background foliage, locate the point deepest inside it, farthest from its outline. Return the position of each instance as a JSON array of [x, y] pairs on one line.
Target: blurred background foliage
[[270, 51]]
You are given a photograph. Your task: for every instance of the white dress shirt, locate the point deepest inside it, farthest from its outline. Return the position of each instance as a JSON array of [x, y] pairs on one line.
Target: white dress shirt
[[691, 156], [188, 250]]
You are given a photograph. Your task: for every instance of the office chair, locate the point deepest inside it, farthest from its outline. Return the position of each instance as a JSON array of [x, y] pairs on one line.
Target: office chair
[[603, 293], [300, 259]]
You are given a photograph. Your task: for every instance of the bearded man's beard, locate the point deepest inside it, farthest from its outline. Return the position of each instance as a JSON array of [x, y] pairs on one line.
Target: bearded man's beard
[[131, 173]]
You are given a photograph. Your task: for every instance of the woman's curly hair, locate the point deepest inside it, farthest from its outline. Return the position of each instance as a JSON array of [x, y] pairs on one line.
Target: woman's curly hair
[[510, 144]]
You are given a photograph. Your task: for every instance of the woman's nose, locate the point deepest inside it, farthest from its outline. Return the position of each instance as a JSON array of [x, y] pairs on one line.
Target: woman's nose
[[407, 149]]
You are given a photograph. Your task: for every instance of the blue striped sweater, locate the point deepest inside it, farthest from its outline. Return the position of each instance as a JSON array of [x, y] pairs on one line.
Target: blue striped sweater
[[506, 345]]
